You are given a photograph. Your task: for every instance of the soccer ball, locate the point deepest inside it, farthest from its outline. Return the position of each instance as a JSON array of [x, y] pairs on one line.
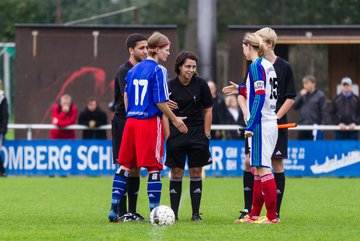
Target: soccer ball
[[162, 216]]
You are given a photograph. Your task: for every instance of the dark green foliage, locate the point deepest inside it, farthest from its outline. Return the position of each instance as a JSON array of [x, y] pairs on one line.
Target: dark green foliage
[[176, 12]]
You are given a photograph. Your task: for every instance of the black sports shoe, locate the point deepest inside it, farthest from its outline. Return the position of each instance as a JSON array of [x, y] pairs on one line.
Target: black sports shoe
[[127, 217], [243, 213], [196, 217], [138, 217]]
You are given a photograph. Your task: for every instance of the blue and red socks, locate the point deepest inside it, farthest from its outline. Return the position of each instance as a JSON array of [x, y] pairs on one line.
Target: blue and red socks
[[257, 199], [118, 188], [154, 189], [268, 187]]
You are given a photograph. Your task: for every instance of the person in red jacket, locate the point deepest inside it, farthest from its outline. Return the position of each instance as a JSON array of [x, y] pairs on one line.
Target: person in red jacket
[[63, 114]]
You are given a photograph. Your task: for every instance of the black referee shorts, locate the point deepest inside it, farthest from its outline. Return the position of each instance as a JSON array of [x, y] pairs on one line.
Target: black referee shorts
[[117, 129], [281, 148], [194, 145]]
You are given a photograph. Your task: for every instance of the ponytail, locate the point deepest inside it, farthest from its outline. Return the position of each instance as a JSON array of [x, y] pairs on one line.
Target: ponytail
[[255, 41]]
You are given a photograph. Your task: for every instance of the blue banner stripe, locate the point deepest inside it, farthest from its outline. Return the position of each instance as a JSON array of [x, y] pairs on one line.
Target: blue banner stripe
[[94, 158]]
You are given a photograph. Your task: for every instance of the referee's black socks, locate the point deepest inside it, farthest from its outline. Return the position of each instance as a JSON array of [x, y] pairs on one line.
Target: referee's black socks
[[175, 194], [195, 193], [280, 185]]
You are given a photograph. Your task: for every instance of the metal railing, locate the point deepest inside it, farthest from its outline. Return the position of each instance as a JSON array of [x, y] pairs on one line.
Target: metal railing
[[30, 127]]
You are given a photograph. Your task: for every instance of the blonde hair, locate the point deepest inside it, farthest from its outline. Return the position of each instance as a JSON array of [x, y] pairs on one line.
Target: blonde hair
[[268, 35], [157, 40], [65, 97], [255, 41]]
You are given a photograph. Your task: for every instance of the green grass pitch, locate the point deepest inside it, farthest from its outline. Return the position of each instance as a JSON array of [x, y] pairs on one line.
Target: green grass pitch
[[76, 208]]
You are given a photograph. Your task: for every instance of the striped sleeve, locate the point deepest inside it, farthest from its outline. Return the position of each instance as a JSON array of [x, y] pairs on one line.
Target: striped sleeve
[[160, 88], [242, 91], [257, 80], [258, 77]]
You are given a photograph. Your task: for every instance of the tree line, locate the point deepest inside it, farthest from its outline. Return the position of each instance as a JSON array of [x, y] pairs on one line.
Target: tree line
[[234, 12]]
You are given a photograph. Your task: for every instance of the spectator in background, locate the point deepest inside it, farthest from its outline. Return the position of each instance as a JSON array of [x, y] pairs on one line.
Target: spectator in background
[[346, 112], [63, 114], [234, 117], [312, 105], [218, 111], [4, 118], [93, 116]]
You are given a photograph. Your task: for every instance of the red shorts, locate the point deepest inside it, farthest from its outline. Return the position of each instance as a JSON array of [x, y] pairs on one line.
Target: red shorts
[[142, 144]]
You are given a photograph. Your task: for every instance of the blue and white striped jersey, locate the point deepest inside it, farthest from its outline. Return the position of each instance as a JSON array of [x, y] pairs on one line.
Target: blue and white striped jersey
[[260, 90]]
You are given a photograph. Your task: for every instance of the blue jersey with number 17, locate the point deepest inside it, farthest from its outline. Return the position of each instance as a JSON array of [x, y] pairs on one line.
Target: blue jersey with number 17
[[146, 85]]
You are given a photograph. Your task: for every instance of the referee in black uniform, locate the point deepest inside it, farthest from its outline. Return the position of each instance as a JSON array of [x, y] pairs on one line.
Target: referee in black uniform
[[136, 44], [194, 101]]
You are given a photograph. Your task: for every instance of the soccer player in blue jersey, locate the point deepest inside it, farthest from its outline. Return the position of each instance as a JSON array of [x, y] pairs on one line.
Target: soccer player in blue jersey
[[145, 97], [261, 127]]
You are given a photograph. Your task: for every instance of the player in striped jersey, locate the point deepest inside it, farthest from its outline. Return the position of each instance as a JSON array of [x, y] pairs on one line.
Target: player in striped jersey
[[145, 98], [261, 127], [285, 94]]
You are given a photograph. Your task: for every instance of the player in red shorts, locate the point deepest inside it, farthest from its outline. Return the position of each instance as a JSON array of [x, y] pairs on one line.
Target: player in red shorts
[[145, 97]]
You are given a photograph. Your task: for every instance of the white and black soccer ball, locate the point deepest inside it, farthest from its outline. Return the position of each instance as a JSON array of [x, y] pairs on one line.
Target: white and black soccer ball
[[162, 216]]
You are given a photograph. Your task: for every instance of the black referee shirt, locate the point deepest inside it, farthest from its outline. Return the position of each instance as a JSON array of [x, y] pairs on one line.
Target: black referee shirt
[[192, 99], [119, 89]]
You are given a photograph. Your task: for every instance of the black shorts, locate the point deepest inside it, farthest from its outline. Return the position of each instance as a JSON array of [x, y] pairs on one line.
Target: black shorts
[[117, 128], [247, 148], [281, 148], [194, 145]]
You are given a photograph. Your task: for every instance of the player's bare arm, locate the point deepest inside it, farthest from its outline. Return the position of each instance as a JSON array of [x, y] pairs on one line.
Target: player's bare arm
[[177, 121], [242, 104], [231, 89], [285, 108], [207, 120], [166, 125]]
